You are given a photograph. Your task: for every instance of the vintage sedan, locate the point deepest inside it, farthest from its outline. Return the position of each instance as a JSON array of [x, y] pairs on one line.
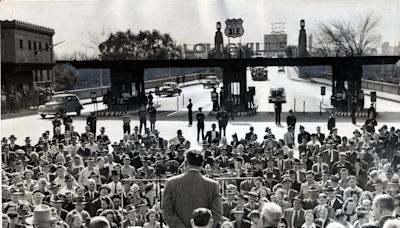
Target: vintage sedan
[[277, 95], [259, 74], [211, 82], [60, 104], [169, 89]]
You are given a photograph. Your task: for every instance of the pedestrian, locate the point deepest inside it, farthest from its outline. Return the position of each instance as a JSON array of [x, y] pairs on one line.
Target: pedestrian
[[222, 117], [67, 121], [152, 116], [278, 111], [190, 112], [182, 196], [291, 119], [372, 111], [142, 118], [353, 108], [200, 124], [230, 107], [331, 122], [214, 99], [91, 121], [56, 123], [150, 98], [126, 123]]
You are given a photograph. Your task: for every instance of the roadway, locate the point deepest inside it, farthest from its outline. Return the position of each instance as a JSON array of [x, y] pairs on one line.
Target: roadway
[[170, 119]]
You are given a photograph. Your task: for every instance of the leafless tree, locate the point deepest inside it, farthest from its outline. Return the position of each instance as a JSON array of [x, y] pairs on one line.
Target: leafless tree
[[340, 37]]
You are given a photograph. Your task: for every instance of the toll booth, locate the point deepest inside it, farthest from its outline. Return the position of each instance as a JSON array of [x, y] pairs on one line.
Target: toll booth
[[235, 87], [127, 89]]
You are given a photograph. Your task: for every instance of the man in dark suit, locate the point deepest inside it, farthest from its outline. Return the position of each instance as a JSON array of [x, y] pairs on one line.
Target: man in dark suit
[[222, 117], [229, 203], [90, 196], [278, 111], [320, 136], [249, 134], [333, 201], [200, 124], [342, 163], [213, 134], [239, 222], [332, 153], [291, 119], [182, 194], [295, 215], [383, 207]]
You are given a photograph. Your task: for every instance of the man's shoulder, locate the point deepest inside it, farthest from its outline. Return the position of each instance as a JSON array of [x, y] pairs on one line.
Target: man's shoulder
[[371, 225]]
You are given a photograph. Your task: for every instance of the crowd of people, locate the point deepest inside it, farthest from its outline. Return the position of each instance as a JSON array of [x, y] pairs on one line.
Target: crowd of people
[[297, 180]]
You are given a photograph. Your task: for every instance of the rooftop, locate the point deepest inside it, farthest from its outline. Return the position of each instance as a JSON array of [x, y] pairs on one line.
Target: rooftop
[[27, 26]]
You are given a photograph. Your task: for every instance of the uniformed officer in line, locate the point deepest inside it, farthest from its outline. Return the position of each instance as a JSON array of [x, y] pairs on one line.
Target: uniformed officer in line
[[152, 116], [291, 119], [91, 121], [150, 99], [126, 120], [214, 99], [222, 117], [142, 118], [190, 112], [200, 124], [278, 111]]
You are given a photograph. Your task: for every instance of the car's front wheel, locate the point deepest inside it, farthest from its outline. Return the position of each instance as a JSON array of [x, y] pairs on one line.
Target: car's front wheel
[[43, 115], [78, 111]]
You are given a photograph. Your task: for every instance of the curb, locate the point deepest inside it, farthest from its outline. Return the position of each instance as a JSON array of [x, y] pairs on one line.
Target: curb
[[348, 114]]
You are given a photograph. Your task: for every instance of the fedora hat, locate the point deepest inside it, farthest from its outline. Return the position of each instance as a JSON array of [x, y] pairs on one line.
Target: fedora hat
[[41, 214], [254, 194], [80, 200], [12, 137]]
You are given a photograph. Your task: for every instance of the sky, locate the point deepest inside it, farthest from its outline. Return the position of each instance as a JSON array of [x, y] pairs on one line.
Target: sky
[[191, 21]]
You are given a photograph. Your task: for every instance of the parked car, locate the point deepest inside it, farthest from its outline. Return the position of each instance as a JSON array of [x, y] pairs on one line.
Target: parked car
[[259, 74], [211, 82], [59, 104], [169, 89], [277, 95], [281, 69]]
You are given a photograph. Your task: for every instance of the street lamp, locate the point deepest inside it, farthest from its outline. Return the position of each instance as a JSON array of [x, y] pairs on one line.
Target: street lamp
[[302, 23], [218, 26]]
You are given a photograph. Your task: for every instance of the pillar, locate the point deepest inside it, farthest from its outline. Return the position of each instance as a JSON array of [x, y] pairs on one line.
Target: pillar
[[235, 86]]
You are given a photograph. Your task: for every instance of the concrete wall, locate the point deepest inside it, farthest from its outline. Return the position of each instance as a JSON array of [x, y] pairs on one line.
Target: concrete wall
[[85, 93], [381, 86]]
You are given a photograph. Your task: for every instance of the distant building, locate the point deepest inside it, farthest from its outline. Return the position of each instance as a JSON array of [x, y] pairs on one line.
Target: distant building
[[27, 56], [275, 45], [386, 48]]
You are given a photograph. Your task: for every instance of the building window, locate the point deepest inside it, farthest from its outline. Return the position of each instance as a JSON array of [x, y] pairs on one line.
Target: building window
[[21, 44], [29, 45], [40, 46], [34, 45]]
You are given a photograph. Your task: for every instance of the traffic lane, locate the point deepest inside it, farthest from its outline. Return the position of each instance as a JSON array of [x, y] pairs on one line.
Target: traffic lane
[[34, 127], [296, 91], [200, 98]]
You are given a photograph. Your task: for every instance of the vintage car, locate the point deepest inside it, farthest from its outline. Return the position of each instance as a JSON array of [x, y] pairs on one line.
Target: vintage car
[[60, 104], [259, 74], [211, 82], [169, 89], [281, 69], [277, 95]]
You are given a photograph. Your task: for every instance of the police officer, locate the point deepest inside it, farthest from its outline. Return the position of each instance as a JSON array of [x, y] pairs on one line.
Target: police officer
[[190, 112], [91, 121], [150, 99], [200, 124], [142, 118], [214, 99], [222, 117], [152, 117], [291, 119], [126, 120], [278, 111], [331, 122]]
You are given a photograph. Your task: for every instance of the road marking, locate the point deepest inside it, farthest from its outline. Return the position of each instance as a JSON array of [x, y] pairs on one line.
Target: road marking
[[173, 113]]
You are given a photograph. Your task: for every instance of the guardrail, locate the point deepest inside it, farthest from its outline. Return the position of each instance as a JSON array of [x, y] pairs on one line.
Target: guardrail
[[381, 86], [149, 84]]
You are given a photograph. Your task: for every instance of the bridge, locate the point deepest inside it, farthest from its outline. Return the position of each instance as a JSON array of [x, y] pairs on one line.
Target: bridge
[[130, 72]]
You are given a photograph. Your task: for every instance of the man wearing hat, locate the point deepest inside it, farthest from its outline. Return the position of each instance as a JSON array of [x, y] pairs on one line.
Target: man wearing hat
[[80, 204], [12, 146], [287, 187], [182, 195], [295, 215], [342, 163], [291, 119], [252, 204], [239, 219], [131, 218], [229, 203], [331, 154], [42, 217], [333, 200]]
